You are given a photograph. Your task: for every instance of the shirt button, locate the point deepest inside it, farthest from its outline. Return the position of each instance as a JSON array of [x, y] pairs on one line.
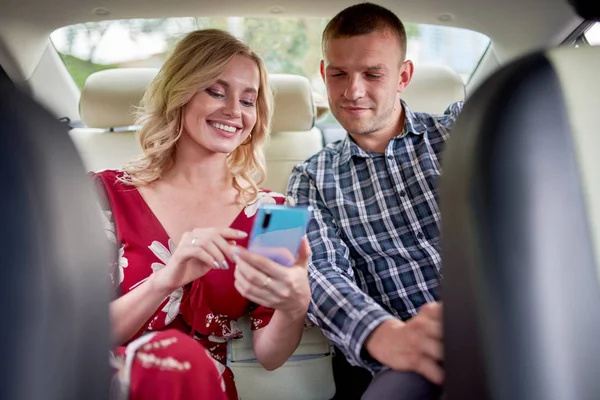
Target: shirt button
[[390, 157], [403, 193], [420, 235]]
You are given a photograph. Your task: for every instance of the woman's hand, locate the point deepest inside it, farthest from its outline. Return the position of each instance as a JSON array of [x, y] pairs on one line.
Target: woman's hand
[[272, 285], [198, 252]]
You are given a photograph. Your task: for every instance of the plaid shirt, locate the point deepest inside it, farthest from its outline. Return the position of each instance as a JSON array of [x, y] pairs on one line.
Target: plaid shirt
[[375, 232]]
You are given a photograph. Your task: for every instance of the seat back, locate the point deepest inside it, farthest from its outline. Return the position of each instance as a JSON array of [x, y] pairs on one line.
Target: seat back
[[307, 375], [55, 286], [294, 138], [433, 88], [109, 98], [520, 204]]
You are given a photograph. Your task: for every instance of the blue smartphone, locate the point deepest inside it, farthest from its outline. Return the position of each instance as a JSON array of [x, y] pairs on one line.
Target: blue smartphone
[[278, 230]]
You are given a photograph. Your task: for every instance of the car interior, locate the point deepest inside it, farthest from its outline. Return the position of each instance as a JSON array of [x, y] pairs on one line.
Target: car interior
[[518, 196]]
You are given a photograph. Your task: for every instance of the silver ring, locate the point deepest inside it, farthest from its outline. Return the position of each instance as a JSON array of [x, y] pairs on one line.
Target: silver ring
[[195, 240], [267, 281]]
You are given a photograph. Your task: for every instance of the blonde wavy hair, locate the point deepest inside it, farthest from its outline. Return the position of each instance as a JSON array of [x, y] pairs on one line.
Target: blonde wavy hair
[[196, 62]]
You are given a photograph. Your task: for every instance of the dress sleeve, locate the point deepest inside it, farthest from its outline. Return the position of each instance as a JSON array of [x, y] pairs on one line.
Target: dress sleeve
[[103, 206], [260, 316]]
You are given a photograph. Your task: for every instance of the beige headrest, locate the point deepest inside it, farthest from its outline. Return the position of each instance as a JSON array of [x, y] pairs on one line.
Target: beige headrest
[[294, 106], [433, 88], [109, 97]]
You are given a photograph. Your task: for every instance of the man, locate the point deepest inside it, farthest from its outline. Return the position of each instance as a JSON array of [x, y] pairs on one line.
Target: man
[[375, 269]]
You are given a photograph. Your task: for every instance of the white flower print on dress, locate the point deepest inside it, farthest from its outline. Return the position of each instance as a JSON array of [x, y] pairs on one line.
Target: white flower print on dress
[[261, 198], [164, 255], [220, 369], [123, 263], [109, 226]]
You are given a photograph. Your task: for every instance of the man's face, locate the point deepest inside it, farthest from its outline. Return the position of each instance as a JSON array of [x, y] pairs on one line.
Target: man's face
[[364, 75]]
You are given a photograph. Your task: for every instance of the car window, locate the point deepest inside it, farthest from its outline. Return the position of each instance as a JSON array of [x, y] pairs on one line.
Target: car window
[[592, 35], [287, 45]]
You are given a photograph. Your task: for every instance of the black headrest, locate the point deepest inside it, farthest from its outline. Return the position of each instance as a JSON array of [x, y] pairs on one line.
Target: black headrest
[[515, 212], [587, 9], [54, 287]]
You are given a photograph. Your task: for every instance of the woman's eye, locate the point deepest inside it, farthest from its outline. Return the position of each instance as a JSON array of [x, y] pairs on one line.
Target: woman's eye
[[214, 94], [247, 103]]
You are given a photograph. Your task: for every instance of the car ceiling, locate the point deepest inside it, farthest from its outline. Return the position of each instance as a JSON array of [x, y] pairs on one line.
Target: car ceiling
[[515, 26]]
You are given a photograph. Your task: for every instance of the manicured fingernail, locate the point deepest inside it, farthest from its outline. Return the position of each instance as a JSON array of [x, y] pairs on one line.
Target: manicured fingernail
[[235, 254], [225, 265], [216, 264], [242, 234]]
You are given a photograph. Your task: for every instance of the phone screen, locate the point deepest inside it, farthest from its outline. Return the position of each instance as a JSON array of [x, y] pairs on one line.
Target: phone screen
[[278, 231]]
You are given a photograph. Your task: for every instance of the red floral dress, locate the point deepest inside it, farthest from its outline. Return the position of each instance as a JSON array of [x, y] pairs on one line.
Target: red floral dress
[[205, 310]]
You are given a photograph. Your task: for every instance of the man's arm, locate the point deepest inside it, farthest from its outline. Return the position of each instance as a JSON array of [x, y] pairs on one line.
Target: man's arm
[[454, 110], [345, 314]]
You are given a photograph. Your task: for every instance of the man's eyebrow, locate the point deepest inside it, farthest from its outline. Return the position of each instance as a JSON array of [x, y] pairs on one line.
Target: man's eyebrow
[[378, 67]]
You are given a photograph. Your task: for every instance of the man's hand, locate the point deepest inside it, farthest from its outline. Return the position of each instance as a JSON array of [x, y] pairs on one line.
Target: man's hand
[[415, 345]]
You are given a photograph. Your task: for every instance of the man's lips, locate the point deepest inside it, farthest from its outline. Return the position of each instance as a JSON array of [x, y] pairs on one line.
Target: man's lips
[[355, 109]]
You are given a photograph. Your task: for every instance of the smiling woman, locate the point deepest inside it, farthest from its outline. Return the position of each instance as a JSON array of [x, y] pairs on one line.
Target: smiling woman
[[183, 106], [180, 215]]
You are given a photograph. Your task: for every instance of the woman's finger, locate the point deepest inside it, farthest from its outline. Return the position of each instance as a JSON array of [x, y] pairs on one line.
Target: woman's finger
[[196, 257], [196, 253], [225, 247], [253, 276], [261, 263], [219, 259], [229, 233], [263, 299], [253, 292]]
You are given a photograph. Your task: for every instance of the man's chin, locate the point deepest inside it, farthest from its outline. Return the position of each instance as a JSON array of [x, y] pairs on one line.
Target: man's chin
[[352, 125], [357, 129]]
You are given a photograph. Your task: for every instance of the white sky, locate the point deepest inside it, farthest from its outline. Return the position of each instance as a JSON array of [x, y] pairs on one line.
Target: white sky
[[593, 34], [115, 47]]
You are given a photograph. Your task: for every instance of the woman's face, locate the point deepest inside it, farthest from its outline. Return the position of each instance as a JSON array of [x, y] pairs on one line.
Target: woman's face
[[220, 118]]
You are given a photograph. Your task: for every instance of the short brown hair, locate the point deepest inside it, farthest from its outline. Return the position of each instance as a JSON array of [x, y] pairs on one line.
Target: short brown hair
[[362, 19]]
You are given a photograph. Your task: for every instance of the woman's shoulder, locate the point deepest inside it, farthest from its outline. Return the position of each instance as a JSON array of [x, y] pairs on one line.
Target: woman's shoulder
[[111, 180], [108, 176], [106, 173]]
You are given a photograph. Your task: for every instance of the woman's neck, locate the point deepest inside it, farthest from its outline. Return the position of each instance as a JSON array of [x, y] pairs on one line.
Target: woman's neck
[[207, 173]]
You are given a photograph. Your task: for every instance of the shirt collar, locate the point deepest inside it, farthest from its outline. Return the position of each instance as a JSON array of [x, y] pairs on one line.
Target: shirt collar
[[412, 126]]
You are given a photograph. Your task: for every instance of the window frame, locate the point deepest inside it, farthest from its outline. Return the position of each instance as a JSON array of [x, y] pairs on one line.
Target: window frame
[[577, 37]]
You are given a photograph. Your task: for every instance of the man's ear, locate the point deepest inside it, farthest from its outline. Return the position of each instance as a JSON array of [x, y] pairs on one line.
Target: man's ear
[[322, 69], [406, 73]]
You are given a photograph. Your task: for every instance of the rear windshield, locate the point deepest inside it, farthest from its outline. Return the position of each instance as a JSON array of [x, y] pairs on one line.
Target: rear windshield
[[287, 45]]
